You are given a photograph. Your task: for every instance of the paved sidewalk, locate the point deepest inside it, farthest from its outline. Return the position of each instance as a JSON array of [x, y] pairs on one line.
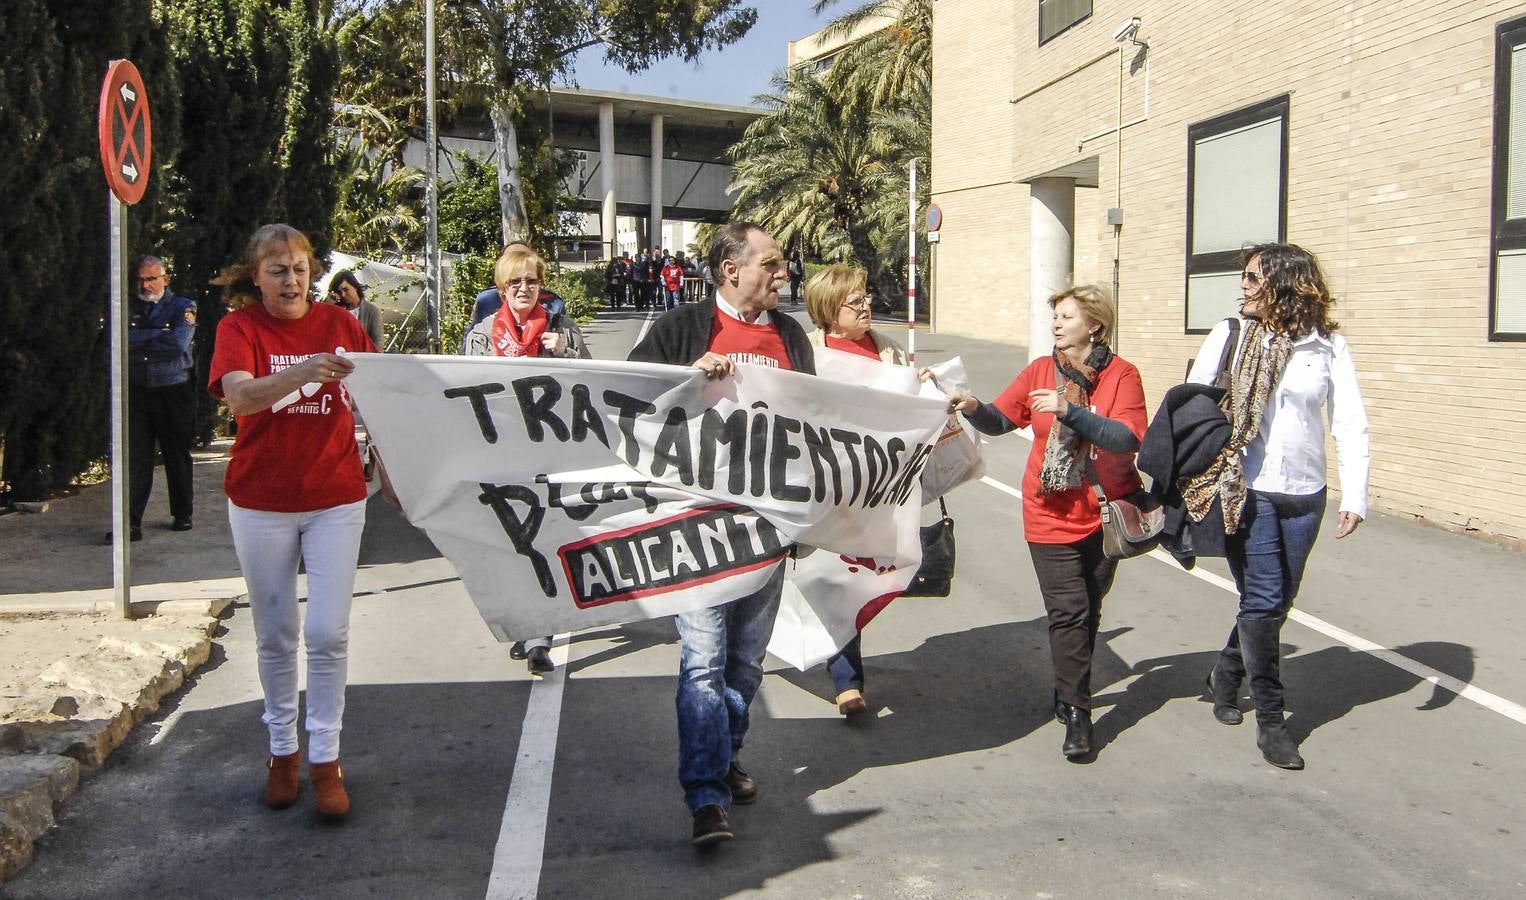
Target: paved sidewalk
[[75, 677]]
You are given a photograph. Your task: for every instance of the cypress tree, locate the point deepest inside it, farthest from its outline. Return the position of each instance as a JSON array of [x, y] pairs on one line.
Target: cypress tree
[[54, 305]]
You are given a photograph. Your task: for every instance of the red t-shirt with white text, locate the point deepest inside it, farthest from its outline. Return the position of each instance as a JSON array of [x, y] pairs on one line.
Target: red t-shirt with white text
[[1068, 516], [299, 455], [746, 342]]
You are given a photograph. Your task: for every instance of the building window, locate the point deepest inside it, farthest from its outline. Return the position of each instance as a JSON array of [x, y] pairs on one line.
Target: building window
[[1057, 16], [1507, 270], [1237, 188]]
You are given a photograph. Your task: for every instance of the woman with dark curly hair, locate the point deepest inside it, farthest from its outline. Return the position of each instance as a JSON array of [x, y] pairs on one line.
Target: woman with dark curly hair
[[1269, 480]]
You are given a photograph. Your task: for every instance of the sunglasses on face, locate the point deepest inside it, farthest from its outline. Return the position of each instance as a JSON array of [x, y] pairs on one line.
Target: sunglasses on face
[[1253, 278]]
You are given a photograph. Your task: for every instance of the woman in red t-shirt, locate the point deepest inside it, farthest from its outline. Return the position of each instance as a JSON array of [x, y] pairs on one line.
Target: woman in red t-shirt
[[295, 490], [837, 300], [1087, 423]]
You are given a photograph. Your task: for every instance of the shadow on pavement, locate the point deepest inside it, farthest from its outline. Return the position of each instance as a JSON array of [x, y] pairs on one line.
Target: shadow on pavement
[[427, 767], [1321, 686]]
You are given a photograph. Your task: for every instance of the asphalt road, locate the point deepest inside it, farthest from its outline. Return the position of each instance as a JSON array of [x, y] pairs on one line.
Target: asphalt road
[[469, 782]]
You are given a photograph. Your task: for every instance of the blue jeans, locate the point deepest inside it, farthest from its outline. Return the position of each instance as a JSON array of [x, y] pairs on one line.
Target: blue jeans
[[720, 667], [1268, 554], [847, 667]]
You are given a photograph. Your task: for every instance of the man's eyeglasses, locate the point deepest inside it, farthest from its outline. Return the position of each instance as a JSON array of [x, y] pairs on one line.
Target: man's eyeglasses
[[1253, 277], [513, 283]]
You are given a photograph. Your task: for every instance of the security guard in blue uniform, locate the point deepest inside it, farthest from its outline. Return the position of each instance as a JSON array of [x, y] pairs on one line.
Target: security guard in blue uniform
[[161, 397]]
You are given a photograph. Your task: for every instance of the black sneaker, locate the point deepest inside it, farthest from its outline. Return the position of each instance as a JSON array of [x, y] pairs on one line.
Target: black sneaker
[[711, 826], [743, 788], [181, 524], [540, 661]]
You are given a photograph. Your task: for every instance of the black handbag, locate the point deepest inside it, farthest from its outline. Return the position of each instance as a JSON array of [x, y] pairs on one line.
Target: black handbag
[[936, 576]]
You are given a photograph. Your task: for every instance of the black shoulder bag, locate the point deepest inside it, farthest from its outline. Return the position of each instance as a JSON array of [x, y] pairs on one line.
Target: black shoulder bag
[[936, 576]]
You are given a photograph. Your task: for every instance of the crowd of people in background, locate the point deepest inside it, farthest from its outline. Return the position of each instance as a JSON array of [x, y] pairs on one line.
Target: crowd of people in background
[[657, 280]]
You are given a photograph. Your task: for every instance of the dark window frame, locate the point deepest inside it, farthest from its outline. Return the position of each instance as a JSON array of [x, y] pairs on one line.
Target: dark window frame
[[1504, 233], [1043, 40], [1229, 260]]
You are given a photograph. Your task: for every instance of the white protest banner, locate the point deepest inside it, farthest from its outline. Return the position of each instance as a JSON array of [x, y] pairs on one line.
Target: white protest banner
[[828, 597], [491, 457]]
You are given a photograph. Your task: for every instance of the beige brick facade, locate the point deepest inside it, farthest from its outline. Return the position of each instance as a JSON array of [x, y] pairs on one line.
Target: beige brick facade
[[1390, 162]]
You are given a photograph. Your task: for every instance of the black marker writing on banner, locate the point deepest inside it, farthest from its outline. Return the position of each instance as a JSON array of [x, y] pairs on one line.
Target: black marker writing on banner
[[693, 547], [521, 531], [755, 448]]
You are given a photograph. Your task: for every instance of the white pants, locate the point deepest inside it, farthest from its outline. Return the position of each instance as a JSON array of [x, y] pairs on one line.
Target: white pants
[[268, 546]]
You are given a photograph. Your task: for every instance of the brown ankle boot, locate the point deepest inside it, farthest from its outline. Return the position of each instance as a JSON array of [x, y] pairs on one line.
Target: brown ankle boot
[[328, 790], [281, 781]]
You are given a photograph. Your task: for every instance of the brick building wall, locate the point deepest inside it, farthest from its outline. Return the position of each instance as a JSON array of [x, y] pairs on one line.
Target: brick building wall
[[1390, 155]]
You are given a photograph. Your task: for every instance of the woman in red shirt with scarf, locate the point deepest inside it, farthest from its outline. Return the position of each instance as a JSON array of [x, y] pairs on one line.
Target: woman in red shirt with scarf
[[1086, 406]]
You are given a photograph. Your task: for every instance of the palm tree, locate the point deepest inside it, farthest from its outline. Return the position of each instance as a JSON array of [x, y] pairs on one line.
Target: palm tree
[[886, 64], [378, 209], [814, 172]]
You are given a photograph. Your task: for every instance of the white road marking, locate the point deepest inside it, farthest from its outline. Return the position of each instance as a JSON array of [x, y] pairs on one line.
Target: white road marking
[[646, 325], [521, 845], [1492, 702]]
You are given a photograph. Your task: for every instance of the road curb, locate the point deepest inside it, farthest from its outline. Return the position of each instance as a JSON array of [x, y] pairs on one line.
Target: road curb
[[63, 726]]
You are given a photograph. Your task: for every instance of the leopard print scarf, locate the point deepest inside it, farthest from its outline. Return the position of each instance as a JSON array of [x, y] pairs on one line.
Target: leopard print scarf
[[1256, 375], [1063, 469]]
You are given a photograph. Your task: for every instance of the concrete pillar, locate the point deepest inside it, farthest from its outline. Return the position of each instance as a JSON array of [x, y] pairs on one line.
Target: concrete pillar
[[607, 179], [1051, 255], [654, 223]]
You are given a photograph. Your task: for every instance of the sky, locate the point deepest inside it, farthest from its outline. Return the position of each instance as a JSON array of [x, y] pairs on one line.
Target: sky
[[732, 75]]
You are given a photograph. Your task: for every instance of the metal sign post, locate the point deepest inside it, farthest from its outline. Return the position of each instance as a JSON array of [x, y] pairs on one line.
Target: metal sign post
[[911, 265], [126, 144]]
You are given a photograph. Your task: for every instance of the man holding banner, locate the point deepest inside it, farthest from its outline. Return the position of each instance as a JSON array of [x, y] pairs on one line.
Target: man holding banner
[[722, 647]]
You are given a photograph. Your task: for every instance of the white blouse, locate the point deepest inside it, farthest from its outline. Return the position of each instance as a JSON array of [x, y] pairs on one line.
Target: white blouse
[[1288, 457]]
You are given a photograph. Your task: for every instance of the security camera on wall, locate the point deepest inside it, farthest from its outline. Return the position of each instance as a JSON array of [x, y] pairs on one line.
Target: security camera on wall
[[1128, 29]]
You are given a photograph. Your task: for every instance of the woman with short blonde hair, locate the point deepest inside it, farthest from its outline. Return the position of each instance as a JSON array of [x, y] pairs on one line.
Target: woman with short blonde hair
[[837, 300], [1086, 406]]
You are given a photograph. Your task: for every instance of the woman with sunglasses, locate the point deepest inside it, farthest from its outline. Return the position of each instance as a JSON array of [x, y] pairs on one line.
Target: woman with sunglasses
[[837, 300], [523, 327], [1268, 484]]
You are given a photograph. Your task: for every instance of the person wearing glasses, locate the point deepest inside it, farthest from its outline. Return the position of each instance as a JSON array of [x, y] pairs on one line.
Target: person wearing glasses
[[523, 327], [1290, 368], [490, 299], [837, 300]]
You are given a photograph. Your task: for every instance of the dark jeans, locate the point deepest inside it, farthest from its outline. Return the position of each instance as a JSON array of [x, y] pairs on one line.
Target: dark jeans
[[162, 417], [720, 668], [1268, 554], [847, 667], [1073, 579]]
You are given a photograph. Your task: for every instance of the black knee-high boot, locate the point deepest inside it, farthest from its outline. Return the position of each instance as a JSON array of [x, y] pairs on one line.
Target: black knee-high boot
[[1259, 647], [1225, 678]]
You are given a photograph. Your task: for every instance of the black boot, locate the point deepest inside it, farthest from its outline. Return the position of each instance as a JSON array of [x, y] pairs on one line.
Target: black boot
[[1258, 645], [1224, 681], [1078, 729]]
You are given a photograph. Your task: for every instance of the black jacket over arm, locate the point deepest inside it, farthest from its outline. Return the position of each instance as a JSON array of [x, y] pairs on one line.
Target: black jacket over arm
[[1183, 439], [683, 335]]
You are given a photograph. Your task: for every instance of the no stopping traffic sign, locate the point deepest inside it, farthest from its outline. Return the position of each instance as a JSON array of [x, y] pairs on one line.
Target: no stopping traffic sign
[[126, 138]]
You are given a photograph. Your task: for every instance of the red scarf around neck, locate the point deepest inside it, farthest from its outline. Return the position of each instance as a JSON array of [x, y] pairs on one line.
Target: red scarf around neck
[[512, 339]]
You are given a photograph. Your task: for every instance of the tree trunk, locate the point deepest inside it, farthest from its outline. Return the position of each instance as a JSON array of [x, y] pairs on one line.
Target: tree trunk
[[511, 195]]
